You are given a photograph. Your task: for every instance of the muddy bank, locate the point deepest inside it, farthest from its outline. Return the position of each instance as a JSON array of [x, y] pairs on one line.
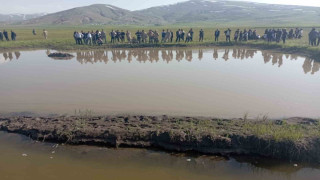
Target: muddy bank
[[294, 139]]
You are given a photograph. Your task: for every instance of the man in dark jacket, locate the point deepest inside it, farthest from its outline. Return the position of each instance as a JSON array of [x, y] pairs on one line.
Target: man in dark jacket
[[13, 36], [216, 35], [284, 35], [191, 33], [201, 35], [139, 35], [171, 36], [178, 35], [318, 39], [313, 37], [5, 34], [1, 36]]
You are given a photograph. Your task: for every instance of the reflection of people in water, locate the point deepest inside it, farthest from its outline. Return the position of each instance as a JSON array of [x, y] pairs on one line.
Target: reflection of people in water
[[10, 56], [129, 58], [92, 57], [167, 55], [266, 57], [280, 62], [307, 65], [215, 54], [17, 54], [5, 55], [152, 55], [48, 52], [200, 54], [315, 67], [189, 55], [226, 55], [234, 53], [179, 55]]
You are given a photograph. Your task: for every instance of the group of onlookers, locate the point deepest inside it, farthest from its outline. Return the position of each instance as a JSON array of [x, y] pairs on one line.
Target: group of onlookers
[[276, 35], [90, 38], [314, 35], [153, 36], [4, 35]]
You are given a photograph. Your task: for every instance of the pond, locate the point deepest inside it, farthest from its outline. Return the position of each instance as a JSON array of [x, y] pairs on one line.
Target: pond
[[223, 83], [22, 158]]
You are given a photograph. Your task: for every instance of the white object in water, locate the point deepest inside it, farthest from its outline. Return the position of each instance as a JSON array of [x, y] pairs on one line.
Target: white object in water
[[189, 160], [24, 155]]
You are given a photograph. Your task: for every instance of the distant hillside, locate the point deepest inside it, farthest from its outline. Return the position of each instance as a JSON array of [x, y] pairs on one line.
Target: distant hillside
[[195, 12], [94, 14], [18, 17], [234, 13]]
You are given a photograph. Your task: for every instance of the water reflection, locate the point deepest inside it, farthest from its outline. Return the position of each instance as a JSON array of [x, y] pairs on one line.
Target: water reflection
[[138, 163], [223, 83], [146, 55], [168, 55], [9, 56]]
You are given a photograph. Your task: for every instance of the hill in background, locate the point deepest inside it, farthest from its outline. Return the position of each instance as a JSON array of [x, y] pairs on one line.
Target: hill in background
[[196, 12], [10, 18]]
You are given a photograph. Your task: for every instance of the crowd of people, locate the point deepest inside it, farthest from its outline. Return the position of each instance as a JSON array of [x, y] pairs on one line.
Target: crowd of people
[[313, 36], [167, 36], [90, 38]]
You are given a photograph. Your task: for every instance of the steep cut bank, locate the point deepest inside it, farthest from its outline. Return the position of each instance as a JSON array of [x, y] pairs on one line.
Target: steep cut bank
[[294, 139]]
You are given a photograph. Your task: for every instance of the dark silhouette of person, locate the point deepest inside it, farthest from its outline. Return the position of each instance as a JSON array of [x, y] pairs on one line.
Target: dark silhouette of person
[[228, 35], [201, 36], [216, 35], [13, 35], [1, 36], [5, 34]]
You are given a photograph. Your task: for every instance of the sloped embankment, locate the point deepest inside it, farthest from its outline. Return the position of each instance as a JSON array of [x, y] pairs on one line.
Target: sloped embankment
[[294, 139]]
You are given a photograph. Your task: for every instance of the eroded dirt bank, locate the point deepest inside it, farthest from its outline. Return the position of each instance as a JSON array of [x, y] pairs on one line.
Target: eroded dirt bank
[[294, 139]]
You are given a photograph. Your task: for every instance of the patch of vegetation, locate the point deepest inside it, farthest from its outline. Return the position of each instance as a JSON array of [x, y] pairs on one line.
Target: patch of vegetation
[[61, 38]]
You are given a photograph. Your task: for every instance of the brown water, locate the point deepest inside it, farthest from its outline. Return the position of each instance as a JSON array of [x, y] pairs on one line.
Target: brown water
[[24, 159], [206, 82]]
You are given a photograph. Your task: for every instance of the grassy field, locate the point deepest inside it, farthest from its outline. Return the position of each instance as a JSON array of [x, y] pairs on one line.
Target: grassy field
[[61, 38]]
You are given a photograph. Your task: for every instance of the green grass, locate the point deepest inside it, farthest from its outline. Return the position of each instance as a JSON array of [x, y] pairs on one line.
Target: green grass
[[262, 128]]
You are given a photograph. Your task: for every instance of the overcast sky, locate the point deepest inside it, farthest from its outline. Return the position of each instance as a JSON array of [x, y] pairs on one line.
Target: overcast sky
[[49, 6]]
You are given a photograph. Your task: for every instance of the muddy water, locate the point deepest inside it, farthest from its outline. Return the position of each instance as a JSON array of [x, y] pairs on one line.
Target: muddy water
[[207, 82], [21, 158]]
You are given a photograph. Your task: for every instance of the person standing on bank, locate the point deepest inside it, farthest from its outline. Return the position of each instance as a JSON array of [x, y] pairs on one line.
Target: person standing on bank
[[45, 34], [284, 35], [216, 35], [13, 36], [201, 35], [228, 34], [5, 34], [1, 36]]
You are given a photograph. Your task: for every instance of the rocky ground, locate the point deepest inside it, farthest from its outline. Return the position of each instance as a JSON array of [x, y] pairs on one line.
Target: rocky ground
[[294, 139]]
